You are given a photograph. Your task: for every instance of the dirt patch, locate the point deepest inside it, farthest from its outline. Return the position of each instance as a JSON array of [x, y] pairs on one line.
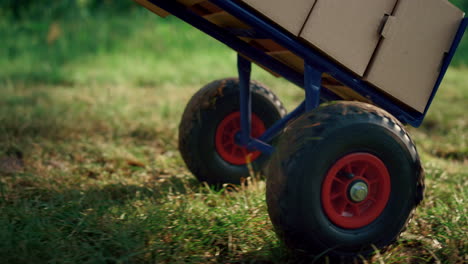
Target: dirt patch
[[11, 165]]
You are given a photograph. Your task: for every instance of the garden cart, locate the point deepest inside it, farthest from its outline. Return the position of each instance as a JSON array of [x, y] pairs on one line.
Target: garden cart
[[343, 175]]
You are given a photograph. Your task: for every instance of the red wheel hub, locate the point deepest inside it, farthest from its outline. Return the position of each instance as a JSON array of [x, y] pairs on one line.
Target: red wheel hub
[[356, 190], [225, 141]]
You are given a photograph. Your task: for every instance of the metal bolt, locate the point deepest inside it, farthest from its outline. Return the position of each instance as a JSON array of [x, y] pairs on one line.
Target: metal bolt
[[358, 191]]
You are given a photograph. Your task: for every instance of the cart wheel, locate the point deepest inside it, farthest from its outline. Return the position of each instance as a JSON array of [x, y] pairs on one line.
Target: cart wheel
[[343, 181], [210, 124]]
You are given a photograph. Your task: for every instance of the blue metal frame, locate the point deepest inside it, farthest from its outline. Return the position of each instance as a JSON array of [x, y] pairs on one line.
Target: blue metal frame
[[244, 68], [316, 64], [448, 60], [313, 83]]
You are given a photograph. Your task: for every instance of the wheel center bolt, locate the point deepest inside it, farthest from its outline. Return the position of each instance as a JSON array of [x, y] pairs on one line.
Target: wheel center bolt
[[358, 191]]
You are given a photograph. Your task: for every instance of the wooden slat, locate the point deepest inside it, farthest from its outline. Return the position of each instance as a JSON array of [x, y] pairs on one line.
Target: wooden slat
[[225, 20], [267, 45], [290, 59], [205, 8], [163, 13], [329, 80], [346, 93], [155, 9], [189, 2]]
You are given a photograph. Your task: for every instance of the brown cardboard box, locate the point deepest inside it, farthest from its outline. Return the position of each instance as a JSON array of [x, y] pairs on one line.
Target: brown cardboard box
[[408, 59], [290, 15], [347, 30]]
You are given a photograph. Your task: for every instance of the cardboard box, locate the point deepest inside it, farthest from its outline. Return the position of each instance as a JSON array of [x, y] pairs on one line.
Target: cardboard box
[[409, 57], [290, 15], [347, 30]]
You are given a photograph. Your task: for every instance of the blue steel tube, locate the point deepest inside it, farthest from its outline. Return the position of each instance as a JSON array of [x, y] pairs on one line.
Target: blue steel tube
[[313, 83], [244, 67], [280, 124]]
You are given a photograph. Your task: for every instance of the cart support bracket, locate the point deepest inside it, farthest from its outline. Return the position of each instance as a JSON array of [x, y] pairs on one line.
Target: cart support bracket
[[312, 85], [244, 67]]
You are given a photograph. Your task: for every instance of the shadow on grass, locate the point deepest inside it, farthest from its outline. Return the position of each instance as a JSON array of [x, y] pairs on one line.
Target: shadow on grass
[[36, 115], [281, 255], [119, 193], [119, 223], [26, 186]]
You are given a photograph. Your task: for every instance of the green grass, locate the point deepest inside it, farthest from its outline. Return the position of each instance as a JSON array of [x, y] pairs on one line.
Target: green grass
[[89, 168]]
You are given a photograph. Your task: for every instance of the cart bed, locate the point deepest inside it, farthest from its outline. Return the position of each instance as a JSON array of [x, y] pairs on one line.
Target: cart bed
[[282, 54]]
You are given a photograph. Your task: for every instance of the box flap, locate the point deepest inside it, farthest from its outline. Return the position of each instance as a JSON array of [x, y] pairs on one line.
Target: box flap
[[347, 31], [407, 62], [388, 28]]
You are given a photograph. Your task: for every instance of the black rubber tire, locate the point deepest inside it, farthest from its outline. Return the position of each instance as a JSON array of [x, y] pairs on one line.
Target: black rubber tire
[[309, 146], [207, 108]]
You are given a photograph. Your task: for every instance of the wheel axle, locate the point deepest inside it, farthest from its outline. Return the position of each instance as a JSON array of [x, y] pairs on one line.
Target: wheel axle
[[358, 191]]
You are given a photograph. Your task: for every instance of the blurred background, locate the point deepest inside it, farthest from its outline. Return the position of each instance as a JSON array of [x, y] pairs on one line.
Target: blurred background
[[91, 94], [82, 41]]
